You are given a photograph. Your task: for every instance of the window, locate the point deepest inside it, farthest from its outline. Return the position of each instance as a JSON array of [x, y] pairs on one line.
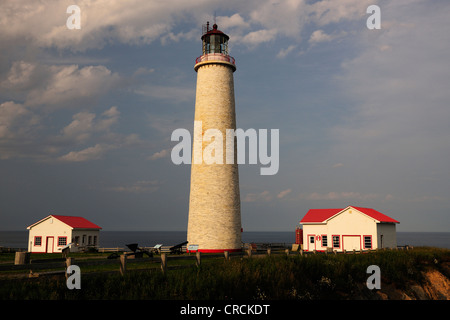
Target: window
[[311, 239], [324, 241], [84, 239], [77, 240], [95, 240], [38, 241], [62, 241], [367, 242], [90, 240], [336, 243]]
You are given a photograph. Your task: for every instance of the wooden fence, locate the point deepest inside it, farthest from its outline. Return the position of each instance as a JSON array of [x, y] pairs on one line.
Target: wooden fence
[[37, 267]]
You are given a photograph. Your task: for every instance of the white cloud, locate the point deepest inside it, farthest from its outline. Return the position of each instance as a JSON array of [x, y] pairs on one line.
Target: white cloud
[[81, 126], [109, 118], [172, 37], [44, 23], [18, 127], [57, 85], [92, 153], [11, 117], [19, 76], [258, 197], [135, 22], [236, 20], [84, 125], [284, 52], [25, 133], [284, 193], [319, 36], [106, 142], [326, 12], [286, 18], [71, 83], [257, 37], [158, 155]]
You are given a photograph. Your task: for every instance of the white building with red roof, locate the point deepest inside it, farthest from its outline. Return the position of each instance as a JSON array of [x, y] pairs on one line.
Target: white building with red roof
[[53, 233], [351, 228]]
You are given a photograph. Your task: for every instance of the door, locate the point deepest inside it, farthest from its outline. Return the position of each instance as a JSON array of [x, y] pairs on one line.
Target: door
[[318, 242], [351, 243], [311, 242], [49, 247]]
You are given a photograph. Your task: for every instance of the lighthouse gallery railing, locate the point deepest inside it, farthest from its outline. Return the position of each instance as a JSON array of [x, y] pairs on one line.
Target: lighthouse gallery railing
[[215, 57]]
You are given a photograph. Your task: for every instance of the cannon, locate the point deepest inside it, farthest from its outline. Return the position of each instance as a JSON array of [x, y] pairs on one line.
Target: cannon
[[177, 249], [138, 252]]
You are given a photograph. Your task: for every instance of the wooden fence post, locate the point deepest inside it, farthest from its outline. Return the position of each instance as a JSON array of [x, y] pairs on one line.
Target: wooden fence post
[[227, 255], [269, 251], [287, 251], [69, 262], [163, 262], [198, 258], [249, 252], [123, 264], [22, 257]]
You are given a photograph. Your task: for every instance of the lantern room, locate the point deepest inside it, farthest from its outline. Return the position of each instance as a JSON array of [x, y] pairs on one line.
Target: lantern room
[[214, 40], [214, 47]]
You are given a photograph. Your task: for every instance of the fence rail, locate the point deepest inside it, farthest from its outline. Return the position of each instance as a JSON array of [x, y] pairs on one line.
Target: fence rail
[[38, 267], [103, 250], [11, 250]]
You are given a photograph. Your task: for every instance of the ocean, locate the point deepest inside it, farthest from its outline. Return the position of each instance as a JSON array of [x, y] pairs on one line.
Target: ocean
[[113, 239]]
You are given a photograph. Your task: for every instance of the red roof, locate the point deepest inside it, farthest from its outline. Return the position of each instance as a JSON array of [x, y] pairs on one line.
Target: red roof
[[76, 222], [214, 30], [321, 215], [73, 222]]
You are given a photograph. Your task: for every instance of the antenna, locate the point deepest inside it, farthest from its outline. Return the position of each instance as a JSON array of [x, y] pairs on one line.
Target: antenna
[[214, 17], [205, 28]]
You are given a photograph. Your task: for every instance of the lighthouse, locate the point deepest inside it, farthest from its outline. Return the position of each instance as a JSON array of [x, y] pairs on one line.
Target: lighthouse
[[214, 222]]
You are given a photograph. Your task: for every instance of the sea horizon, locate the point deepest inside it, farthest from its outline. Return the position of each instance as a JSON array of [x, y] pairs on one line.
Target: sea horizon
[[118, 238]]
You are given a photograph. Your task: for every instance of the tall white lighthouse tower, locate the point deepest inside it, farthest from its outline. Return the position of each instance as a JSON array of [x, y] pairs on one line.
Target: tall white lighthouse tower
[[214, 208]]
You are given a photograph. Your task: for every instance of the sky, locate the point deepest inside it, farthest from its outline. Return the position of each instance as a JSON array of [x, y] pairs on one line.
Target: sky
[[86, 115]]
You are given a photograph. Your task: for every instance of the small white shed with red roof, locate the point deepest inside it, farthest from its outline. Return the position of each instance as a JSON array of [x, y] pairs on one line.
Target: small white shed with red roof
[[53, 233], [351, 228]]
